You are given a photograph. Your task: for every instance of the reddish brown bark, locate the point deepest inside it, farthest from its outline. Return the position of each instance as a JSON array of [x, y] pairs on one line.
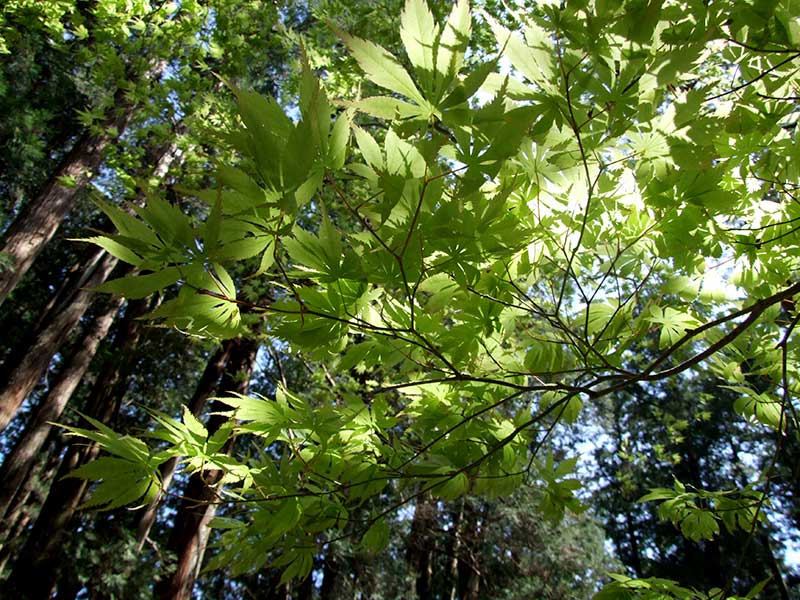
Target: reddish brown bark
[[456, 544], [28, 499], [37, 223], [190, 534], [40, 219], [468, 568], [63, 315], [30, 367], [18, 462], [74, 279], [35, 569]]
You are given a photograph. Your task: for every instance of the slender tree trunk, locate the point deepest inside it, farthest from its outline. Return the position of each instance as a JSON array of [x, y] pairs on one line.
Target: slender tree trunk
[[36, 568], [631, 556], [74, 280], [15, 529], [19, 461], [40, 219], [30, 367], [37, 223], [190, 534], [469, 577], [773, 564], [633, 542], [456, 550], [36, 358], [112, 380], [774, 567], [473, 585], [420, 546], [204, 390], [28, 498]]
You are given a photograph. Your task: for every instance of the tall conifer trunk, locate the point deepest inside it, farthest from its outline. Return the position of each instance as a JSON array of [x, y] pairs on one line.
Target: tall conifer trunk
[[29, 497], [455, 545], [190, 534], [38, 222], [34, 362], [36, 567], [41, 552], [468, 568], [330, 575], [420, 546], [40, 219], [61, 316], [18, 462]]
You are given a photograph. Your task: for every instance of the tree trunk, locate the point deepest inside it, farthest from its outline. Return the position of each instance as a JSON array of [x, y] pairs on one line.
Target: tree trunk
[[37, 223], [456, 550], [420, 546], [18, 462], [469, 577], [473, 585], [74, 279], [190, 534], [36, 567], [11, 398], [39, 220], [635, 559], [29, 498], [205, 389], [774, 567], [30, 367]]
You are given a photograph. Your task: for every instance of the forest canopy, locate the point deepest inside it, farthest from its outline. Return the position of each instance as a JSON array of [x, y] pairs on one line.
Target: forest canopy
[[347, 299]]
